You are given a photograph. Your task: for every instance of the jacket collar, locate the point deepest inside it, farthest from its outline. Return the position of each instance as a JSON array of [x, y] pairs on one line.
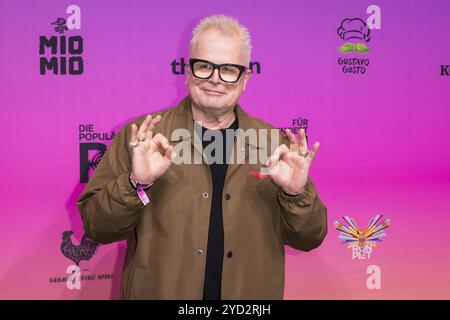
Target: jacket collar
[[184, 119]]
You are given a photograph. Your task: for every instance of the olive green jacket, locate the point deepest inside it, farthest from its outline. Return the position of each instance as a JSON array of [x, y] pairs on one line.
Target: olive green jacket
[[167, 239]]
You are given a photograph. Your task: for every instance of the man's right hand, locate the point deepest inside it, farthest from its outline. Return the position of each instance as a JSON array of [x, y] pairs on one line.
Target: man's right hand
[[147, 163]]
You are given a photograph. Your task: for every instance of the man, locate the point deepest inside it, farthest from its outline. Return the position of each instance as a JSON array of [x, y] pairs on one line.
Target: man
[[217, 229]]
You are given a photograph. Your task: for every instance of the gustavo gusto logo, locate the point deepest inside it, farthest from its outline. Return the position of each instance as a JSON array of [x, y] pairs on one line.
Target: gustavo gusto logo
[[356, 34]]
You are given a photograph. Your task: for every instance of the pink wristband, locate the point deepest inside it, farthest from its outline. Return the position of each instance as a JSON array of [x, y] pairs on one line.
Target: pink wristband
[[140, 189]]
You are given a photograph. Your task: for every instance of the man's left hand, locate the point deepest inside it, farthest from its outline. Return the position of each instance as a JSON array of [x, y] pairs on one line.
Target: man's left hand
[[288, 167]]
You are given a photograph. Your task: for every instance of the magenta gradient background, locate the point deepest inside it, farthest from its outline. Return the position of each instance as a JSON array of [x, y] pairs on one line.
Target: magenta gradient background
[[384, 135]]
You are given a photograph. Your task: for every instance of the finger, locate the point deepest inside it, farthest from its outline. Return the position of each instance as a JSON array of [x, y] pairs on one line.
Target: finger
[[293, 145], [134, 131], [148, 137], [153, 146], [161, 141], [277, 154], [144, 126], [151, 126], [154, 121], [283, 150], [313, 151], [168, 157], [303, 143]]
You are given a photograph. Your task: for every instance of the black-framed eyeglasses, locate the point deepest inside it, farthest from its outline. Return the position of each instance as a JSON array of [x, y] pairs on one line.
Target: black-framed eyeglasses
[[204, 69]]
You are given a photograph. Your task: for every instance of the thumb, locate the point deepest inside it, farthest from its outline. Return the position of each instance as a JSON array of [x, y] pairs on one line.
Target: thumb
[[168, 156]]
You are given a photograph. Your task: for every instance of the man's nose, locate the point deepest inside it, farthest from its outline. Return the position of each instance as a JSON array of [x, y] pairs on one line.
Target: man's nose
[[215, 78]]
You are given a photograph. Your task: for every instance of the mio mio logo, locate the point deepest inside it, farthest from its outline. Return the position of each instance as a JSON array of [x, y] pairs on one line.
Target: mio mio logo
[[63, 55]]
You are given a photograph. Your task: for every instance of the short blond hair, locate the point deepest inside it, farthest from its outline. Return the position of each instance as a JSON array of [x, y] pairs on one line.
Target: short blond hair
[[225, 25]]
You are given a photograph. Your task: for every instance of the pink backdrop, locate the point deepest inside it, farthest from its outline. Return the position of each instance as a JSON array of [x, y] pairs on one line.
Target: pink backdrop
[[384, 134]]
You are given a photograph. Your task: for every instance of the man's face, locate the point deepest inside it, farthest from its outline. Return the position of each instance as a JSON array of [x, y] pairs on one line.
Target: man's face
[[213, 93]]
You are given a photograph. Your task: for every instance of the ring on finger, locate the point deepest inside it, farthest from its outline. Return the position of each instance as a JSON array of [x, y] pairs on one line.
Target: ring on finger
[[303, 154], [134, 144]]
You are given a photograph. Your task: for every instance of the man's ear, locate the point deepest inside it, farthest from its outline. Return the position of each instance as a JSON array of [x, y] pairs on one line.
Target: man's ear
[[247, 75]]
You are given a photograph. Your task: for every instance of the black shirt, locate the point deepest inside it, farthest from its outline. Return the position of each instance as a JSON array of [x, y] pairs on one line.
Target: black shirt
[[215, 250]]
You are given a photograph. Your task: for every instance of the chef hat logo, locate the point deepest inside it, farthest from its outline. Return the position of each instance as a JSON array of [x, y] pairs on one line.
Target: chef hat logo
[[354, 29]]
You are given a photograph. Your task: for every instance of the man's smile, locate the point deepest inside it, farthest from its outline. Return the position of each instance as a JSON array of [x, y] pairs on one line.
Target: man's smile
[[213, 92]]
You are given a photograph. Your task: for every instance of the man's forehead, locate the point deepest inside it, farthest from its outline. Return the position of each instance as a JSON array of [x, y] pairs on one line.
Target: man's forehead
[[219, 48]]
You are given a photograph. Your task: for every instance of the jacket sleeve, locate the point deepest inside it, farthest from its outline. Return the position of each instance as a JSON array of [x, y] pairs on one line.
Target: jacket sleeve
[[109, 205], [303, 218]]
